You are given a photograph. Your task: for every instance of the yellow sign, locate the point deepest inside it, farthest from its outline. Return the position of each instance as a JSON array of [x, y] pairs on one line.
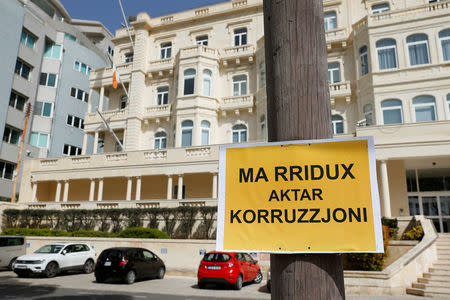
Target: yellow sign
[[317, 196]]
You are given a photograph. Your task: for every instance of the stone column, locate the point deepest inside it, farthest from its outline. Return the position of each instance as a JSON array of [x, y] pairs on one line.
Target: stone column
[[83, 150], [100, 190], [385, 189], [58, 191], [138, 188], [214, 186], [35, 186], [180, 187], [100, 101], [66, 191], [92, 190], [129, 186], [90, 101], [169, 187], [94, 150]]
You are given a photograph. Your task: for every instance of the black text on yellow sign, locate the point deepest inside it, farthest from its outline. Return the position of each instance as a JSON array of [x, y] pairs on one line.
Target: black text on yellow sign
[[302, 196]]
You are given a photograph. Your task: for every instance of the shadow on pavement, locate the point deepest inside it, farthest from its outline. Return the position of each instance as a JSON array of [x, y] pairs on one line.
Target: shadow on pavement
[[15, 289], [218, 286], [91, 296], [263, 289]]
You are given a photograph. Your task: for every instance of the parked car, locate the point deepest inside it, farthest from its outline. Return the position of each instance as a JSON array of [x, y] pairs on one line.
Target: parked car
[[11, 247], [229, 268], [269, 282], [51, 259], [128, 264]]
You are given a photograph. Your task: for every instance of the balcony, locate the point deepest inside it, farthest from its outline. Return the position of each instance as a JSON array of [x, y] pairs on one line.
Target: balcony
[[336, 38], [199, 50], [160, 67], [157, 112], [340, 90], [236, 103], [103, 77], [238, 55], [116, 119]]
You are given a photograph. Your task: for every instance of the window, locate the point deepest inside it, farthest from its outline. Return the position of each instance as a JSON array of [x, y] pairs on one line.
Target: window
[[368, 114], [117, 147], [38, 139], [240, 85], [17, 101], [418, 49], [207, 74], [444, 36], [166, 50], [162, 95], [22, 69], [205, 125], [48, 79], [44, 109], [240, 37], [330, 20], [160, 140], [75, 122], [189, 81], [123, 102], [79, 94], [71, 150], [334, 73], [363, 60], [12, 135], [338, 124], [202, 40], [425, 108], [82, 68], [70, 37], [239, 133], [52, 50], [186, 133], [380, 8], [27, 39], [392, 111], [129, 57], [262, 75], [387, 54], [262, 123], [448, 102], [7, 170]]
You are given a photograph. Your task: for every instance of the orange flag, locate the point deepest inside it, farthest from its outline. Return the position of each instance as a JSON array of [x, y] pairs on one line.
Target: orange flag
[[115, 78]]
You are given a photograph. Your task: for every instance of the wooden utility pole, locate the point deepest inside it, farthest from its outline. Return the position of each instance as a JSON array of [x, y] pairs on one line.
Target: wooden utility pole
[[22, 141], [298, 108]]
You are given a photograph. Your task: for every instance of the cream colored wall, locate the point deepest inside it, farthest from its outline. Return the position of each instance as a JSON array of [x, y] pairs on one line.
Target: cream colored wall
[[154, 187], [198, 186], [114, 188], [397, 188], [78, 190], [46, 191]]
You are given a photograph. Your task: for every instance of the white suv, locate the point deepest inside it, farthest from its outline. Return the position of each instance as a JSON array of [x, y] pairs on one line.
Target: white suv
[[53, 258]]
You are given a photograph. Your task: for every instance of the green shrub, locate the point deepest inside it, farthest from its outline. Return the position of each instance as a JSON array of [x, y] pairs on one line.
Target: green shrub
[[35, 232], [393, 226], [143, 233], [92, 233], [416, 233]]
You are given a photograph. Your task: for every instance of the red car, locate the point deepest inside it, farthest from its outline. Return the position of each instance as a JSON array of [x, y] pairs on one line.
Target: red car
[[227, 267]]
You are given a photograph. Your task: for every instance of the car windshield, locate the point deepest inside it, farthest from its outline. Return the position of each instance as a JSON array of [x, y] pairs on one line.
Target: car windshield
[[49, 249], [216, 257]]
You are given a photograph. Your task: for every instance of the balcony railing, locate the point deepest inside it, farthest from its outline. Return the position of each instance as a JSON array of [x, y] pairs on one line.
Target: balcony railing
[[237, 102], [157, 111], [111, 115], [160, 65], [340, 88], [197, 50], [336, 34], [238, 51]]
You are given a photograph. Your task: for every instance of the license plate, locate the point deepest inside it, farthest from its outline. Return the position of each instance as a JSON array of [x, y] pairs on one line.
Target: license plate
[[107, 263], [20, 266], [213, 268]]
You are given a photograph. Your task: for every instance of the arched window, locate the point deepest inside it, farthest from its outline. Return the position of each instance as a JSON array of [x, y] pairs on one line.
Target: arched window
[[262, 123], [368, 114], [123, 102], [418, 49], [444, 36], [189, 81], [186, 133], [334, 73], [338, 124], [239, 85], [240, 37], [239, 133], [392, 111], [205, 125], [387, 54], [160, 140], [330, 20], [207, 75], [363, 60], [380, 8], [162, 95], [425, 108]]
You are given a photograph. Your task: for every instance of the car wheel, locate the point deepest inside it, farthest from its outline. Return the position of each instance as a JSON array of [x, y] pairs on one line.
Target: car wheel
[[88, 266], [10, 266], [238, 284], [258, 278], [130, 278], [201, 285], [161, 273], [51, 270]]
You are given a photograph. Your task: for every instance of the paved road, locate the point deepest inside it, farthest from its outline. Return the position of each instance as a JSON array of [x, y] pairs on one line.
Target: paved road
[[77, 286]]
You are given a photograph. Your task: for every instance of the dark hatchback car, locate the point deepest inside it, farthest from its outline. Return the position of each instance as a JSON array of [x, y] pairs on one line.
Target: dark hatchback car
[[128, 264]]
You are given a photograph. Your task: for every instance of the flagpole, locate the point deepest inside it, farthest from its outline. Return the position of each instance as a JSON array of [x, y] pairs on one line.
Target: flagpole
[[126, 24]]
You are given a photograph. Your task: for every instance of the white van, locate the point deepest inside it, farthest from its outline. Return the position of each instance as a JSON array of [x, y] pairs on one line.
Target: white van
[[11, 247]]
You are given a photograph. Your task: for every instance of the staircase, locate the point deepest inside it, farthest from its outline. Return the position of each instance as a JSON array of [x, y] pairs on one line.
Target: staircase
[[436, 283]]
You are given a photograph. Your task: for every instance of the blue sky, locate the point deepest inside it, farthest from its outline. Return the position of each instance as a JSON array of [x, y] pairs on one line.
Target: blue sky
[[108, 11]]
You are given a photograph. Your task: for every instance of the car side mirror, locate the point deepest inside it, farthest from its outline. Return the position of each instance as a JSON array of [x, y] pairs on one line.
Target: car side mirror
[[64, 252]]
